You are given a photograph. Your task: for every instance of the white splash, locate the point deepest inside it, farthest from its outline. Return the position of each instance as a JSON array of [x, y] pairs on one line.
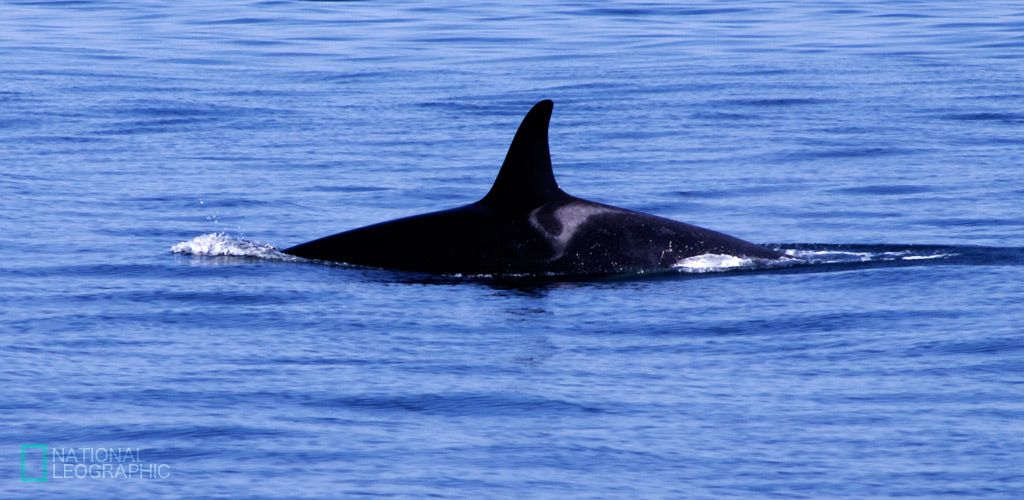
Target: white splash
[[927, 257], [831, 256], [220, 244], [713, 262], [841, 256]]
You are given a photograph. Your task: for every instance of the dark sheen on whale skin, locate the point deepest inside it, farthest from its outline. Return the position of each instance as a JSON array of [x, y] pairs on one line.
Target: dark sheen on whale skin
[[527, 225]]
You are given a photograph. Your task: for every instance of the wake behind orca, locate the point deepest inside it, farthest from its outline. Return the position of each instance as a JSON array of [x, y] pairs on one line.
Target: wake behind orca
[[526, 225]]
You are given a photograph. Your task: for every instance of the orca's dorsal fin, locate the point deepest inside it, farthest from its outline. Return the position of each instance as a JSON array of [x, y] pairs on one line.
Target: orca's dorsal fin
[[526, 181]]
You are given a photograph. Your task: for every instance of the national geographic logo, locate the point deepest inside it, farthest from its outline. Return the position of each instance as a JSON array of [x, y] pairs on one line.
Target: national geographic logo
[[40, 463]]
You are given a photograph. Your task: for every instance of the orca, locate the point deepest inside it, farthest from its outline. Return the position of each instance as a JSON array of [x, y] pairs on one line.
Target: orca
[[526, 225]]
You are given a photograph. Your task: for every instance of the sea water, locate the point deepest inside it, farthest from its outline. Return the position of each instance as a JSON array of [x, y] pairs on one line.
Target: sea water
[[154, 156]]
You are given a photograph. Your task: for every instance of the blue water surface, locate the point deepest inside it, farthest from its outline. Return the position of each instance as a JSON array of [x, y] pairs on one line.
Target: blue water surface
[[880, 142]]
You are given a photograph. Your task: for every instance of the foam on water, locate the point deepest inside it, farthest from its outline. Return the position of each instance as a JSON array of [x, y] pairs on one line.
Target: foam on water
[[711, 262], [820, 255], [221, 244], [224, 245], [837, 255]]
